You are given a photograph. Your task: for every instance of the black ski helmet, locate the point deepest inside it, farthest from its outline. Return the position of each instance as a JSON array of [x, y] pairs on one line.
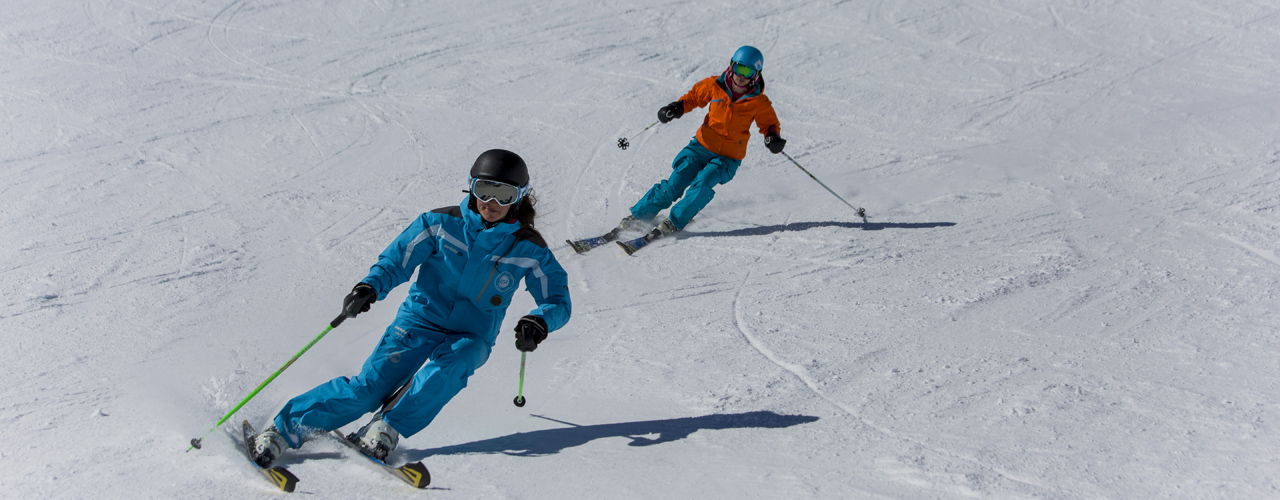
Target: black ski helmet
[[502, 166]]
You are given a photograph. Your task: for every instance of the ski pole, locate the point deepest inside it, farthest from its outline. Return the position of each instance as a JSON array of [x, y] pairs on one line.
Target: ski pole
[[520, 394], [862, 212], [195, 443], [624, 143]]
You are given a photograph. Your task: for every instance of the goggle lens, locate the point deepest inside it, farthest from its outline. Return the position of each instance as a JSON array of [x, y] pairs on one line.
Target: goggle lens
[[502, 193], [744, 71]]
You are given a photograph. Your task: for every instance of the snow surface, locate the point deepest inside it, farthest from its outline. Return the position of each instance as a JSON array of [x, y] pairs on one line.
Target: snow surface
[[1068, 287]]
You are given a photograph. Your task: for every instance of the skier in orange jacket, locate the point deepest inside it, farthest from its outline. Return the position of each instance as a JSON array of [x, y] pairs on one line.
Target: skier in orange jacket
[[735, 98]]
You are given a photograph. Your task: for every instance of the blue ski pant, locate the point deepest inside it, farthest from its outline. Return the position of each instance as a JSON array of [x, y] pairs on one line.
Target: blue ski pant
[[695, 169], [435, 363]]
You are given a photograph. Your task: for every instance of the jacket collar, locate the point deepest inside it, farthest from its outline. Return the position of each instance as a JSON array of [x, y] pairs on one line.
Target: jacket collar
[[474, 223], [722, 80]]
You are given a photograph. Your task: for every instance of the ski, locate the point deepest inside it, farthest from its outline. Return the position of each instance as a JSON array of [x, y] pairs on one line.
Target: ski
[[630, 246], [279, 476], [414, 473], [586, 244], [582, 246]]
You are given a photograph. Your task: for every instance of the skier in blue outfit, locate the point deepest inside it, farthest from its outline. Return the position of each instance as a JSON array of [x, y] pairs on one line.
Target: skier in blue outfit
[[470, 259]]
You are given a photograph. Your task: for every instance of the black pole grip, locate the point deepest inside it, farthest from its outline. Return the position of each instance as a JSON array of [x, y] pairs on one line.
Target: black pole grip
[[338, 321]]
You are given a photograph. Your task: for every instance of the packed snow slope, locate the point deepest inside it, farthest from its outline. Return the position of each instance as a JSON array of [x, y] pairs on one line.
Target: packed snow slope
[[1067, 288]]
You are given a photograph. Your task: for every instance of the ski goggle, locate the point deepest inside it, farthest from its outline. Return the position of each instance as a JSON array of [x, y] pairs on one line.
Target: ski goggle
[[744, 71], [504, 194]]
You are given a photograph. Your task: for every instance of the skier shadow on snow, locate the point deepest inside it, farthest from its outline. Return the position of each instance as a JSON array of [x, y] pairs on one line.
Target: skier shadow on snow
[[801, 226], [552, 441]]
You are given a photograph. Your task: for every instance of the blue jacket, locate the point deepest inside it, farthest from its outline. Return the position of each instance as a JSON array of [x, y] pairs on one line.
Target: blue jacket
[[469, 274]]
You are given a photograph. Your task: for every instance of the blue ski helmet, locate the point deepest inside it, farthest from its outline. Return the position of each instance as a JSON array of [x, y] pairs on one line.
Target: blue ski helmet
[[750, 57]]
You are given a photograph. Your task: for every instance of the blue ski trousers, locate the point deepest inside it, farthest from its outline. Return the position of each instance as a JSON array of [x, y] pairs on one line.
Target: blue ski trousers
[[435, 363], [695, 169]]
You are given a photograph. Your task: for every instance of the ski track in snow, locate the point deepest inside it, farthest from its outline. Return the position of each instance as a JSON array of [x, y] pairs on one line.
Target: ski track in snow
[[1265, 254], [812, 384]]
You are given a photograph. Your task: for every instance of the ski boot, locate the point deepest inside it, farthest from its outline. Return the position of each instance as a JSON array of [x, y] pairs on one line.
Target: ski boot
[[268, 446], [663, 228], [629, 224], [378, 438]]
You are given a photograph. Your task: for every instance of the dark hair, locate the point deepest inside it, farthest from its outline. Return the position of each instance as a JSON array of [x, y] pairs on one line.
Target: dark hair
[[522, 211]]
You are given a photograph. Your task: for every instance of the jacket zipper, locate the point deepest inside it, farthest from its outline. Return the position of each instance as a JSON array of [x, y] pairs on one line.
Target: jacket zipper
[[487, 281], [495, 269]]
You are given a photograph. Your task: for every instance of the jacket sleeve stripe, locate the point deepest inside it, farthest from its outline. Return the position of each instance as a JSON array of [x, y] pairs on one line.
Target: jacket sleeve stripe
[[437, 231]]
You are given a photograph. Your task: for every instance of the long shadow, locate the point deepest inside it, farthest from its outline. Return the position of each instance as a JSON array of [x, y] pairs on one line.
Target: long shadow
[[801, 226], [552, 441]]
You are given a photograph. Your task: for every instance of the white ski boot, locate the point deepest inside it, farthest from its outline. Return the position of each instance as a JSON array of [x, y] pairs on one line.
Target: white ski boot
[[379, 438], [268, 446], [664, 228]]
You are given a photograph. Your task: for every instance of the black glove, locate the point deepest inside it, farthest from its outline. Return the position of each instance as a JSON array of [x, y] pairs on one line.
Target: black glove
[[530, 331], [359, 300], [774, 143], [671, 112]]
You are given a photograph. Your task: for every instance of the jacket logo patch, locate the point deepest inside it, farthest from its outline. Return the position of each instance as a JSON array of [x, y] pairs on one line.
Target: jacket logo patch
[[505, 282]]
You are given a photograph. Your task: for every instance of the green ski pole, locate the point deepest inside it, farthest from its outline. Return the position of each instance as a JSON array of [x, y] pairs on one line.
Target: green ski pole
[[520, 394], [195, 443]]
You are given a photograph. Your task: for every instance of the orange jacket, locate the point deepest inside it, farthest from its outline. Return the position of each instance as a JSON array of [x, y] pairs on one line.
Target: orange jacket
[[727, 127]]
